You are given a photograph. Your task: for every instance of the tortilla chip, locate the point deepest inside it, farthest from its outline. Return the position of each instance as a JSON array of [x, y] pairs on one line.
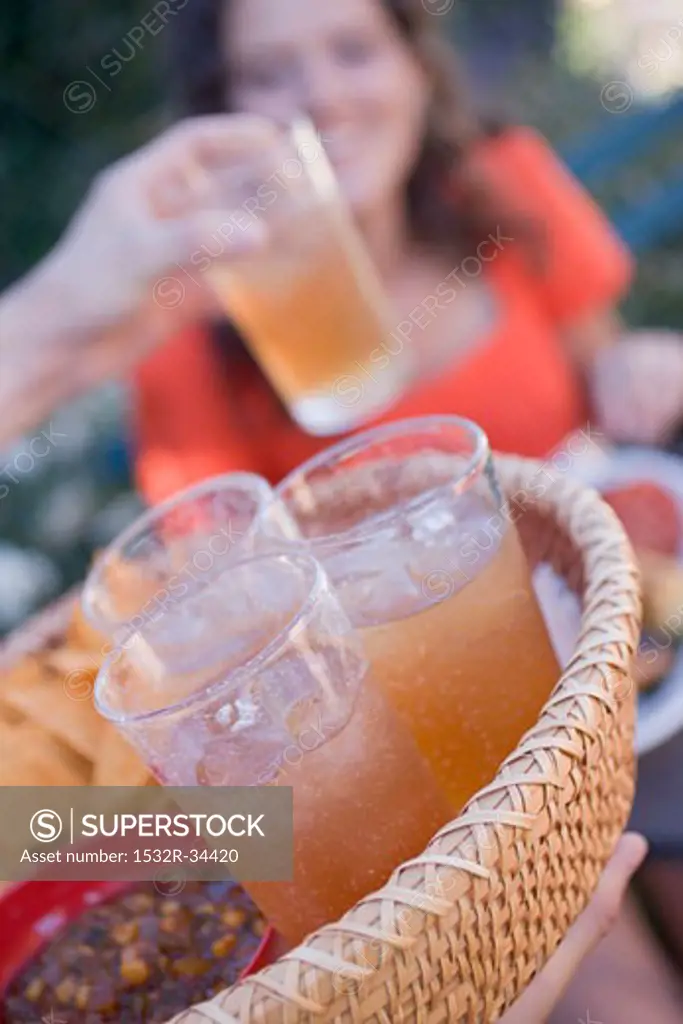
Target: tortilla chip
[[61, 662], [81, 634], [50, 732], [51, 706], [31, 757], [54, 689], [118, 764]]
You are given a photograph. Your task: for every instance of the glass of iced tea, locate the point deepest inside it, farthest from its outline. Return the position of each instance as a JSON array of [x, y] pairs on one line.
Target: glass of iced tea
[[275, 691], [310, 304], [408, 522], [180, 547]]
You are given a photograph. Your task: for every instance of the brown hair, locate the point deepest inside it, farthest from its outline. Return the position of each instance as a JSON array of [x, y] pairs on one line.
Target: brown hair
[[448, 208]]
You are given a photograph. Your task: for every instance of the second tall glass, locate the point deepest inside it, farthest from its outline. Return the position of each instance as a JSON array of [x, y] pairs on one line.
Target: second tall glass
[[407, 521]]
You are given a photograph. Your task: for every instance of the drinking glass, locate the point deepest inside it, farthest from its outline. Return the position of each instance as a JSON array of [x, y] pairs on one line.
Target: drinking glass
[[408, 521], [180, 547], [282, 697], [310, 304]]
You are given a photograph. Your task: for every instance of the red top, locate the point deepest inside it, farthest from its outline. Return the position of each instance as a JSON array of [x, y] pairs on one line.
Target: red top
[[517, 382]]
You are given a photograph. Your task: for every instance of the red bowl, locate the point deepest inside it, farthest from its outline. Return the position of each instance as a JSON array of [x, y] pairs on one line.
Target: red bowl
[[33, 913]]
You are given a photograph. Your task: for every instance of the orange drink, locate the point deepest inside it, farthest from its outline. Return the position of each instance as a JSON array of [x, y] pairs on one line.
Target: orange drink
[[311, 326], [364, 802], [407, 522], [481, 653]]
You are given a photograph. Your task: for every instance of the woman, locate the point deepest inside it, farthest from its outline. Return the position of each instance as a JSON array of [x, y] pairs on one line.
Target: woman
[[525, 340], [529, 343]]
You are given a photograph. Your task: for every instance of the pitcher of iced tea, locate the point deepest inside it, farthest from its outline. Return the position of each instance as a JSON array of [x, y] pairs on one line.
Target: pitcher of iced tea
[[407, 521], [309, 303]]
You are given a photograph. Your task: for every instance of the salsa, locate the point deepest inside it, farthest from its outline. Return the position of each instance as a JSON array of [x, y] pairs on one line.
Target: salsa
[[140, 958]]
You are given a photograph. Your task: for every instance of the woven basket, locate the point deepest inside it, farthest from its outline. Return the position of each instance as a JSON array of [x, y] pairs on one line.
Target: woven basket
[[458, 933]]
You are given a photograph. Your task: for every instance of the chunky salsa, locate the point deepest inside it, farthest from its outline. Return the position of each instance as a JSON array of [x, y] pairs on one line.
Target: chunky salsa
[[141, 958]]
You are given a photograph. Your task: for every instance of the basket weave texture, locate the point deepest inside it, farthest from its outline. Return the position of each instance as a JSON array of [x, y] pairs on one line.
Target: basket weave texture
[[458, 933]]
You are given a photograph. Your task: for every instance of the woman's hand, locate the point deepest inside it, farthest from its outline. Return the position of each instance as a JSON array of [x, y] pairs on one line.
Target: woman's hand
[[123, 275], [547, 989], [637, 387], [147, 216]]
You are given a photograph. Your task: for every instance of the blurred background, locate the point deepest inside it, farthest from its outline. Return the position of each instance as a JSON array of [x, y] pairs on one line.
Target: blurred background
[[603, 79]]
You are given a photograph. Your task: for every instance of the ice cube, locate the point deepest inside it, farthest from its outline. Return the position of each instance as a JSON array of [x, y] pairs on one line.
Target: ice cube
[[432, 524], [283, 683], [384, 590], [314, 681], [248, 750], [234, 743]]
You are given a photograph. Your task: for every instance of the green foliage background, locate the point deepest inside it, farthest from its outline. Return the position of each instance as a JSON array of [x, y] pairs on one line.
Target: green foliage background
[[49, 153]]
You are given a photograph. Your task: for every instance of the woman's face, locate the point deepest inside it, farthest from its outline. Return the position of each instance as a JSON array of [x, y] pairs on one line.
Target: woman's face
[[345, 65]]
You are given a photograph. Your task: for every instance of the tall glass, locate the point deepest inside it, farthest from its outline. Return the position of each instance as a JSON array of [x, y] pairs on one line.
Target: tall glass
[[311, 305], [276, 692], [407, 521], [181, 547]]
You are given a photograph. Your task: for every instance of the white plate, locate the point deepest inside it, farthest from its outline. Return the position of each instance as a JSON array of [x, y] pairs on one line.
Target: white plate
[[660, 713]]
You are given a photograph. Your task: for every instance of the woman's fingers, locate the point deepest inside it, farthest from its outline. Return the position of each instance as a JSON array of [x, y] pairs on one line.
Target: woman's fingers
[[212, 139], [192, 205], [540, 999], [638, 387], [176, 170], [206, 238]]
